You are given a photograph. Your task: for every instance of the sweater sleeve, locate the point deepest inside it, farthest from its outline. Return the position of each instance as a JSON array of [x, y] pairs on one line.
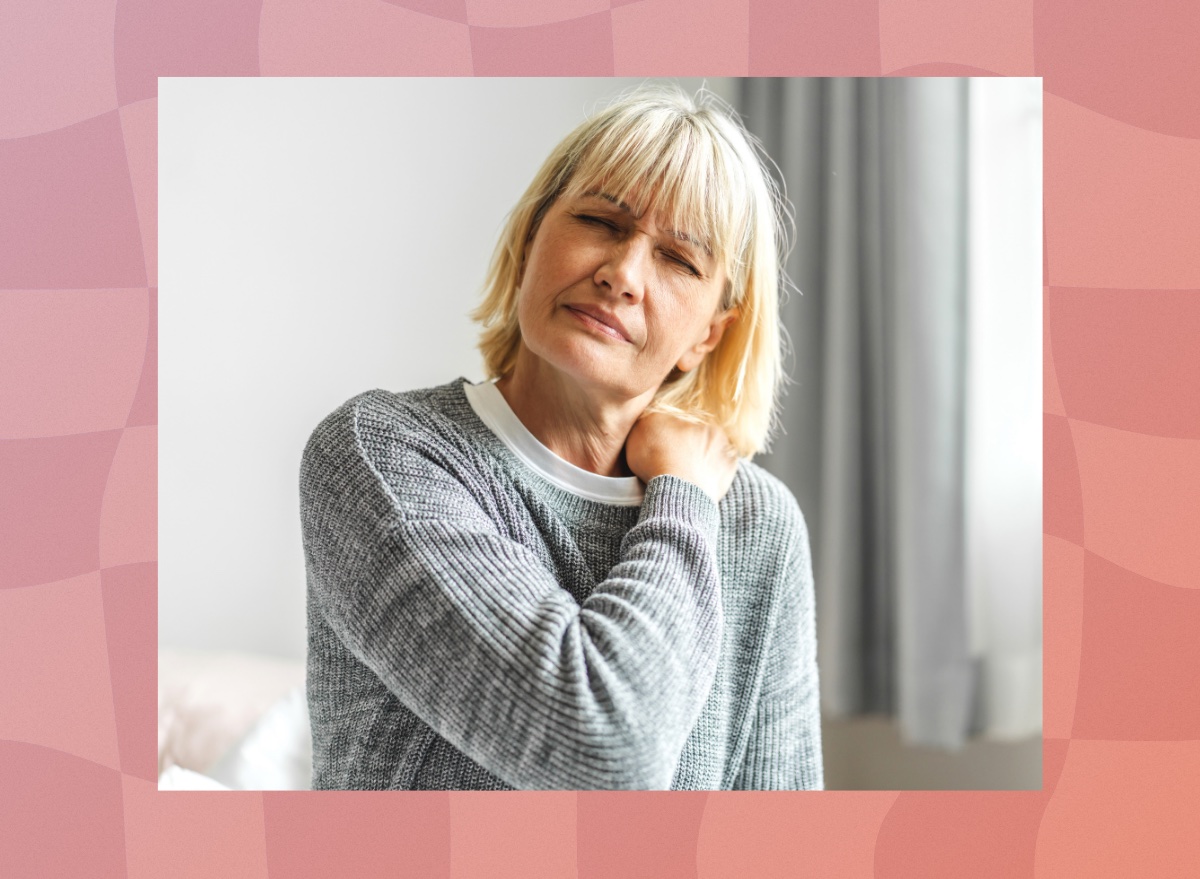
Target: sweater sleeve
[[475, 636], [784, 751]]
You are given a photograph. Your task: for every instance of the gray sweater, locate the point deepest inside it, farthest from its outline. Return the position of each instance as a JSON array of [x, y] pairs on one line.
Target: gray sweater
[[474, 626]]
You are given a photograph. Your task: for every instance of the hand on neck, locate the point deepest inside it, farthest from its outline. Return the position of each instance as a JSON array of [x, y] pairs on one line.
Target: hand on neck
[[584, 425]]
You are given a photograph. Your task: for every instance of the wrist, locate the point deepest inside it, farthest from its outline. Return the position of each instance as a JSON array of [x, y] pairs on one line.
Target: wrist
[[693, 482]]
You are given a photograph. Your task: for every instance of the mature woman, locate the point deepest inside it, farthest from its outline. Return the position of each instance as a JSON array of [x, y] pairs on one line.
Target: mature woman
[[571, 576]]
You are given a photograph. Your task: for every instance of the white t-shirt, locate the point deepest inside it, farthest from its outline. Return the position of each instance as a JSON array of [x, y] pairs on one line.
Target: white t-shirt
[[493, 410]]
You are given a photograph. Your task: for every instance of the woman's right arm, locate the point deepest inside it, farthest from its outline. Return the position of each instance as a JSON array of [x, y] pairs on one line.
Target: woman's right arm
[[473, 634]]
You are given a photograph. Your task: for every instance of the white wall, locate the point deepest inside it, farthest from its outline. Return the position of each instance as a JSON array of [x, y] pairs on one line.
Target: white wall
[[317, 238]]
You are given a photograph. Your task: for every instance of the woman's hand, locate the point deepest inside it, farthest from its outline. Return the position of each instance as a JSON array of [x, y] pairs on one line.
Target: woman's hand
[[662, 444]]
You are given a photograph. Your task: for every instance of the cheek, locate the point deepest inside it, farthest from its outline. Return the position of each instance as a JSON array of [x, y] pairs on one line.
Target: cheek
[[534, 283], [679, 328], [675, 322], [541, 275]]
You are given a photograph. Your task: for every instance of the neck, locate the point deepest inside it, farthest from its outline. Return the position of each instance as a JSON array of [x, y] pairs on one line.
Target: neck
[[584, 426]]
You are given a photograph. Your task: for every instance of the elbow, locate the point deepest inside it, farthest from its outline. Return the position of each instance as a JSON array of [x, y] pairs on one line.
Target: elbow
[[654, 757], [632, 749], [636, 711], [629, 763]]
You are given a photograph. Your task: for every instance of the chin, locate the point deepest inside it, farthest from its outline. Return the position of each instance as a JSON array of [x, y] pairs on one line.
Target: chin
[[589, 362]]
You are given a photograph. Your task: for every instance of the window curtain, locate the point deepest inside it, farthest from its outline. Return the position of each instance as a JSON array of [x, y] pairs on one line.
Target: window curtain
[[882, 422]]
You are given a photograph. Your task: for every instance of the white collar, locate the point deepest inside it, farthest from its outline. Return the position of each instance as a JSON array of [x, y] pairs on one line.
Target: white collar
[[493, 410]]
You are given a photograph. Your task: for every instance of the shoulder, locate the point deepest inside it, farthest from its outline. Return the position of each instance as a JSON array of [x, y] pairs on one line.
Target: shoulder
[[767, 535], [406, 441], [378, 421], [760, 501], [397, 411]]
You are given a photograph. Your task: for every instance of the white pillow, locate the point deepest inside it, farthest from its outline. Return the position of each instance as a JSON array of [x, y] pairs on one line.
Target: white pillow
[[277, 752], [178, 778], [208, 700]]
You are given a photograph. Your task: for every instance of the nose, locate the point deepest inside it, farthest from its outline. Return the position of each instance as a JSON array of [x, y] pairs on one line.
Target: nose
[[626, 267]]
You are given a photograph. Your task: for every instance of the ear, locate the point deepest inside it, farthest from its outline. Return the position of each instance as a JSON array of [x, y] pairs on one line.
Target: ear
[[693, 356]]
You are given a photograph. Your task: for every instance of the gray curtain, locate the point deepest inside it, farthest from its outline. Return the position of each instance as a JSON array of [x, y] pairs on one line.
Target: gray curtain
[[877, 170]]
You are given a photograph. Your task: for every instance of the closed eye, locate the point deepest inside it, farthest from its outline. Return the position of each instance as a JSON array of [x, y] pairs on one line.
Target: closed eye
[[683, 263], [675, 257], [595, 221]]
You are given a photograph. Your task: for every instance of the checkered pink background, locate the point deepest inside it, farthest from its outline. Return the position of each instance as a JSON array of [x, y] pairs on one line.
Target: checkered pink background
[[78, 439]]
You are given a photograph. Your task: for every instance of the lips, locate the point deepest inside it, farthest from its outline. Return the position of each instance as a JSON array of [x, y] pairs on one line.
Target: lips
[[602, 317]]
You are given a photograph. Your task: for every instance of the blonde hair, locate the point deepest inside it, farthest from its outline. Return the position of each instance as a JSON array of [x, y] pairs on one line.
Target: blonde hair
[[694, 157]]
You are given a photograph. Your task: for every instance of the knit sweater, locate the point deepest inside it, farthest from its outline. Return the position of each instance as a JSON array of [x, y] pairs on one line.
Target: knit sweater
[[472, 625]]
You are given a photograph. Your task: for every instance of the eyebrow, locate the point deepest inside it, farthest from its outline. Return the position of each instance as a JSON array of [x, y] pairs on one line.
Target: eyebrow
[[674, 233]]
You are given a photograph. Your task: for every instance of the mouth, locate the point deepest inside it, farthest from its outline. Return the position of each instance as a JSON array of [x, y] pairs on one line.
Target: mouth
[[600, 321]]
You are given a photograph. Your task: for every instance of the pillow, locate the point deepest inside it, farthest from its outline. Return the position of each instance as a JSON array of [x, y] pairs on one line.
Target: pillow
[[208, 700], [276, 754], [178, 778]]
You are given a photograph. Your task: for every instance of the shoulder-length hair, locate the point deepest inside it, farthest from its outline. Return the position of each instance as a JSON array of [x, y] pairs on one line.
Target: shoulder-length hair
[[657, 148]]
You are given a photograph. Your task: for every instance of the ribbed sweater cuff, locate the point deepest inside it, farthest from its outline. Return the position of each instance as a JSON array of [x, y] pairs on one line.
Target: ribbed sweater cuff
[[679, 499]]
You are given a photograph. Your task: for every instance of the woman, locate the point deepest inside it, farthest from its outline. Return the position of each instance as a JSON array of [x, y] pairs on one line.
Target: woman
[[571, 576]]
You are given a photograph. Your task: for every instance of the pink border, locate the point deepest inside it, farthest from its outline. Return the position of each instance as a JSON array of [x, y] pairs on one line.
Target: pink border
[[78, 439]]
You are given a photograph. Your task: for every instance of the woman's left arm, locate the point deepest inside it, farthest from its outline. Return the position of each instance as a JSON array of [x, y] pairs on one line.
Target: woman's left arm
[[784, 751]]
